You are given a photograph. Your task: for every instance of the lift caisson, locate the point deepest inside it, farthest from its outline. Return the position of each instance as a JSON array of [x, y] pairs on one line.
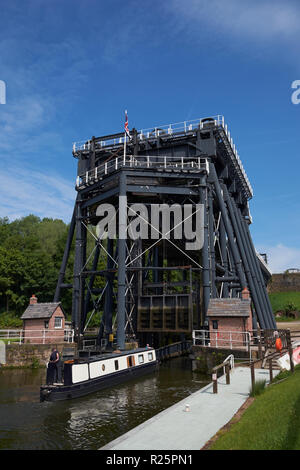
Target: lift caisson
[[152, 285]]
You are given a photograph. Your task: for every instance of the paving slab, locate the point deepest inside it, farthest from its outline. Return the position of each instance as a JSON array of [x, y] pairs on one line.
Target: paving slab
[[177, 429]]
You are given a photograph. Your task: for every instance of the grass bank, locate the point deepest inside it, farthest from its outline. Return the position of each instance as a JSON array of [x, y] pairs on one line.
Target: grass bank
[[272, 422], [282, 301]]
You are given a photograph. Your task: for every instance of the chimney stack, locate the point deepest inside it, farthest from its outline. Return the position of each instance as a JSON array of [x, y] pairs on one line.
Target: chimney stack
[[32, 300], [245, 294]]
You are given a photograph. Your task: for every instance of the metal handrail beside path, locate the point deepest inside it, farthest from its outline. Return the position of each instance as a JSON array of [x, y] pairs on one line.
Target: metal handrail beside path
[[226, 367], [37, 336]]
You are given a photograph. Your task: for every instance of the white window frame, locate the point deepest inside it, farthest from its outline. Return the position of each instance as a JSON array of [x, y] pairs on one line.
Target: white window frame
[[61, 323], [141, 358]]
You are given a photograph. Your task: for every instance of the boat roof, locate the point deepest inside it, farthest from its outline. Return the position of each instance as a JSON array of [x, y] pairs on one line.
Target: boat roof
[[115, 354]]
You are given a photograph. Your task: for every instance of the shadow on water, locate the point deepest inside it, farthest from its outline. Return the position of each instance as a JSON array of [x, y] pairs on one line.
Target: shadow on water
[[89, 422]]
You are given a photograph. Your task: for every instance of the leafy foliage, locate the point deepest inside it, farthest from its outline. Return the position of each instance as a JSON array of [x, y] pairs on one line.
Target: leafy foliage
[[31, 251]]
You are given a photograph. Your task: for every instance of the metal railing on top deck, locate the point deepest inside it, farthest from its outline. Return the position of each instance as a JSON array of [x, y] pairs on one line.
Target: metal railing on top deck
[[163, 163], [177, 129]]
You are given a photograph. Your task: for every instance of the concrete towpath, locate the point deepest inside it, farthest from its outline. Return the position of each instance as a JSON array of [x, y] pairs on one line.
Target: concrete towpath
[[177, 429]]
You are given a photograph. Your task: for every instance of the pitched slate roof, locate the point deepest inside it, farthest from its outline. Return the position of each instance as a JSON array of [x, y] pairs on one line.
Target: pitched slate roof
[[40, 310], [229, 308]]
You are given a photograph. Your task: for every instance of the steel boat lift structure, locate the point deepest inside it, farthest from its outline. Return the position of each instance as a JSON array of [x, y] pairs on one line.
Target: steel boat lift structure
[[150, 288]]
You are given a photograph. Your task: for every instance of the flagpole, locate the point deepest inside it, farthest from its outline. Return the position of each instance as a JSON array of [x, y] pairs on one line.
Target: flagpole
[[126, 120], [124, 159]]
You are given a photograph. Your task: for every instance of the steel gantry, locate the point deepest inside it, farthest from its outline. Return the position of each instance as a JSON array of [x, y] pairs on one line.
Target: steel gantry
[[151, 283]]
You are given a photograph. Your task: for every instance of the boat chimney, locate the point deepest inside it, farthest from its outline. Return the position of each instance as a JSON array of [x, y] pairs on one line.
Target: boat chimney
[[32, 300]]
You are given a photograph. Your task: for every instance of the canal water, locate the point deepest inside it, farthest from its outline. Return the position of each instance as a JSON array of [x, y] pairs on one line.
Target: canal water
[[90, 422]]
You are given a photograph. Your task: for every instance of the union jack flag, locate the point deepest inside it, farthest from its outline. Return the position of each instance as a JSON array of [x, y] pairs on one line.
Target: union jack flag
[[126, 125]]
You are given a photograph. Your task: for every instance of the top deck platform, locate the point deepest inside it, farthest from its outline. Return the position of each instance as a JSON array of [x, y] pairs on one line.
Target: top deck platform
[[171, 132]]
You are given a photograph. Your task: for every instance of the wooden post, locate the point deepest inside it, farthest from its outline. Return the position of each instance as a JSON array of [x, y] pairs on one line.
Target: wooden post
[[290, 349], [291, 359], [259, 343], [271, 369], [252, 374], [227, 370], [215, 381]]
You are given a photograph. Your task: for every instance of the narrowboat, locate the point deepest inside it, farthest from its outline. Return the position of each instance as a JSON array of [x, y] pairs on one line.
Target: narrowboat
[[88, 375], [284, 361]]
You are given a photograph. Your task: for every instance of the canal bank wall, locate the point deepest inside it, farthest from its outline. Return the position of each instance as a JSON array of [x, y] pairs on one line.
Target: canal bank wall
[[16, 355], [204, 358]]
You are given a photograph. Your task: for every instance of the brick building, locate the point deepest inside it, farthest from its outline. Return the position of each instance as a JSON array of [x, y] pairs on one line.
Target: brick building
[[43, 322], [229, 320]]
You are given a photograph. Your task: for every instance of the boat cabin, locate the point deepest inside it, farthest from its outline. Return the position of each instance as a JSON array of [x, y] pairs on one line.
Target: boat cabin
[[83, 376], [105, 364]]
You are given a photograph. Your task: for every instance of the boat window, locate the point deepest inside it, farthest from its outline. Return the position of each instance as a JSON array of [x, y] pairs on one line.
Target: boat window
[[103, 367], [130, 361], [150, 356], [141, 359], [116, 365]]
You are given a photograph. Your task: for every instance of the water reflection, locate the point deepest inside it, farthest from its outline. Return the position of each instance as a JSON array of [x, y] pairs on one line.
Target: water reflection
[[88, 422]]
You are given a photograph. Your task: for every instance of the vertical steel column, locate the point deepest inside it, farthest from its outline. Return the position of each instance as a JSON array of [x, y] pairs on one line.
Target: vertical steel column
[[77, 268], [121, 310], [136, 281], [211, 244], [80, 253], [65, 257], [204, 251]]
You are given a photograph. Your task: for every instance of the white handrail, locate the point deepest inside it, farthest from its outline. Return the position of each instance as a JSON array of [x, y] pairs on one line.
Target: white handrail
[[42, 336], [143, 161], [229, 340], [231, 358], [181, 128], [154, 131]]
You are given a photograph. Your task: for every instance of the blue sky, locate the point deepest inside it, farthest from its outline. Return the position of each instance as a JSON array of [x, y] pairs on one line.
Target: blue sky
[[71, 68]]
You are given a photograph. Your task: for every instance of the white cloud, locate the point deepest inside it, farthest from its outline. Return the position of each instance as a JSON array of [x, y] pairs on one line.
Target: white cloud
[[24, 191], [281, 257], [260, 21], [22, 122]]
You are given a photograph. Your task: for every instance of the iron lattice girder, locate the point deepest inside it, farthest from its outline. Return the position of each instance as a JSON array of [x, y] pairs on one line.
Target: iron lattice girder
[[227, 262]]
